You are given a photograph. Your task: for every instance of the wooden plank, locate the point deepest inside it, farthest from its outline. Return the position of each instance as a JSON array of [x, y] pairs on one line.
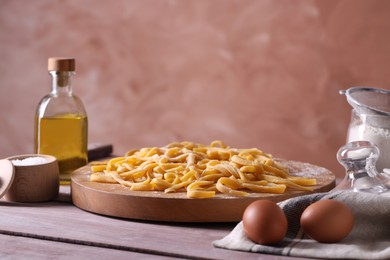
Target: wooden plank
[[55, 221], [119, 201], [15, 247]]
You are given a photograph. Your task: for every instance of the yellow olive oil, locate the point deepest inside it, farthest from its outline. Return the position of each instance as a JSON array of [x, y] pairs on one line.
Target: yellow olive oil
[[64, 137]]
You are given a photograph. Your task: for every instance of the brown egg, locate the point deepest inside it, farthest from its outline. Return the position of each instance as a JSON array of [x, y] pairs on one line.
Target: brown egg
[[264, 222], [327, 221]]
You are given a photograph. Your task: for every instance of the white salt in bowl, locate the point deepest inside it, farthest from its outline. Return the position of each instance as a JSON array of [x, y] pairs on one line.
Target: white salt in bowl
[[36, 178]]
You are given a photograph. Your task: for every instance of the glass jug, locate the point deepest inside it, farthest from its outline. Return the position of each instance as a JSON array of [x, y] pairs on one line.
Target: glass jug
[[370, 121]]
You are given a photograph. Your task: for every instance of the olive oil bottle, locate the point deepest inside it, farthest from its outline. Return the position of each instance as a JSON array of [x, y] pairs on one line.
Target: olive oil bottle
[[61, 124]]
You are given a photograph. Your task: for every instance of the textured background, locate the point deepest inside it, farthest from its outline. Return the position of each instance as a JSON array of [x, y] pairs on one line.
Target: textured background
[[262, 74]]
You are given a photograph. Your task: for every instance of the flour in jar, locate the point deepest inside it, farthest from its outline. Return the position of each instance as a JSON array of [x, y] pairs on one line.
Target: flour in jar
[[376, 135]]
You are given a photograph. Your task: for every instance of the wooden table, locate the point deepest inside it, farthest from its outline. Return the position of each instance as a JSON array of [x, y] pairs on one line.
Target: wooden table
[[60, 230]]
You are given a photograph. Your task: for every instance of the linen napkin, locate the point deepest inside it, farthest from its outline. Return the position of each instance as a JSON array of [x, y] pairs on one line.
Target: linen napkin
[[369, 238]]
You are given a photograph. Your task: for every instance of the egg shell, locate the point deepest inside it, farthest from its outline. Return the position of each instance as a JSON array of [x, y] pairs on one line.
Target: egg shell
[[264, 222], [327, 221]]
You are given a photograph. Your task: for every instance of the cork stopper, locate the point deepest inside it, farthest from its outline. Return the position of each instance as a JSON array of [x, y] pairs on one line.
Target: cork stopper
[[61, 64]]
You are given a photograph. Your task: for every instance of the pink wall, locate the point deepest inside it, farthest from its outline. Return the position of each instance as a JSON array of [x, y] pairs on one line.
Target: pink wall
[[262, 74]]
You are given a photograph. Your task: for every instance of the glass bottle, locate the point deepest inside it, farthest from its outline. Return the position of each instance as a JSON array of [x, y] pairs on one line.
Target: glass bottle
[[61, 124]]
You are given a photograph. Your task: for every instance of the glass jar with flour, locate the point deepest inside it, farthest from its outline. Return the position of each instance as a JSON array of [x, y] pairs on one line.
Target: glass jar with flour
[[370, 121]]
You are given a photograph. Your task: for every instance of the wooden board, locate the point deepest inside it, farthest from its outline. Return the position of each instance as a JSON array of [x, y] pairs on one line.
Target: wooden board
[[118, 201]]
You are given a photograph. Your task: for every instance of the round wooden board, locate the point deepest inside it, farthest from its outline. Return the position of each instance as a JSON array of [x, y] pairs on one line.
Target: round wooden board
[[118, 201]]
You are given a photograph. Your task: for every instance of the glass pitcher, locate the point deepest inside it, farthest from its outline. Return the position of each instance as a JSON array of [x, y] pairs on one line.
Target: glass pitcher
[[370, 121]]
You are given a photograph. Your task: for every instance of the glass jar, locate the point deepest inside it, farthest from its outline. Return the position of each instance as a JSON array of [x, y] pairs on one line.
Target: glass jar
[[370, 120]]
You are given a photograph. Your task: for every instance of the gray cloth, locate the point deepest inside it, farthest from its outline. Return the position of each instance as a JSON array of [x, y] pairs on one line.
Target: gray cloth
[[369, 238]]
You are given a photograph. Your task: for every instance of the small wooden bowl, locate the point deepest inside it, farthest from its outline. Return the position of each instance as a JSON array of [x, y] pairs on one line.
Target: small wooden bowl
[[36, 182]]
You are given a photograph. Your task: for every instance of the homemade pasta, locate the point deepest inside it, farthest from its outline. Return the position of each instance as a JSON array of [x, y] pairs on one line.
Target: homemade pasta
[[199, 170]]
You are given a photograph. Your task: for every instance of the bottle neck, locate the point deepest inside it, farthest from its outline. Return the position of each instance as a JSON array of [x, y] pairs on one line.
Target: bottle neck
[[61, 82]]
